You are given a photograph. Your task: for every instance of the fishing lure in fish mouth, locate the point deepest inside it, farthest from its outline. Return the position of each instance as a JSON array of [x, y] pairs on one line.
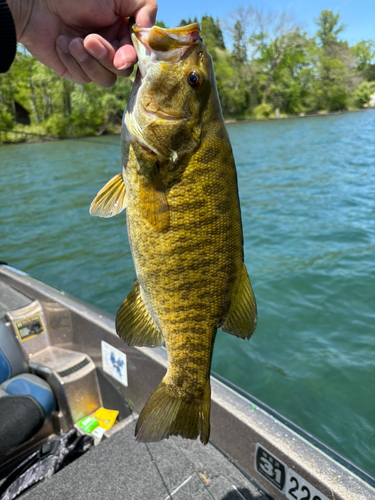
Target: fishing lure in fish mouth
[[179, 186]]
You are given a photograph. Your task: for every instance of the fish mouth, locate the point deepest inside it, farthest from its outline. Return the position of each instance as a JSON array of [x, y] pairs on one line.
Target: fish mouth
[[161, 115], [154, 45], [165, 39]]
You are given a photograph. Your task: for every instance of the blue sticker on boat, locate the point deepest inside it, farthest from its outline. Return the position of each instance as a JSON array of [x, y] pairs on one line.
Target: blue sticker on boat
[[114, 363]]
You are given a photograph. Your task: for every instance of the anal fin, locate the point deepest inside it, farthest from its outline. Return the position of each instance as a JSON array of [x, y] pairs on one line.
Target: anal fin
[[134, 323], [242, 316], [111, 199]]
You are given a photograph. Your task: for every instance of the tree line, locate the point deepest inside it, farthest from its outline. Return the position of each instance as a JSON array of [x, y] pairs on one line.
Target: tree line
[[270, 67], [275, 67]]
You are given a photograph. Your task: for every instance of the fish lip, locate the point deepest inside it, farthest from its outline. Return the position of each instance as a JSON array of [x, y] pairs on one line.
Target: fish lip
[[161, 115], [143, 54], [188, 34], [156, 44]]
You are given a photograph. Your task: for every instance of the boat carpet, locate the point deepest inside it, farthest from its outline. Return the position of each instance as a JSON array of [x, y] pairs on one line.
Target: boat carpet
[[122, 469]]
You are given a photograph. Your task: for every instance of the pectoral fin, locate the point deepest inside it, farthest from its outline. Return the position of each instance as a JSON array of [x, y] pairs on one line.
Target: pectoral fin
[[111, 199], [242, 317], [134, 323], [153, 201]]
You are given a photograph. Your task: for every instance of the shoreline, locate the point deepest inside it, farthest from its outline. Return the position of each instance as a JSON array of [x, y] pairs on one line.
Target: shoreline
[[38, 138], [228, 121]]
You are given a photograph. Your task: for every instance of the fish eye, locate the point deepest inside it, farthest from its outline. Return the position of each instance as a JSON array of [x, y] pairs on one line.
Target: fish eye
[[194, 79]]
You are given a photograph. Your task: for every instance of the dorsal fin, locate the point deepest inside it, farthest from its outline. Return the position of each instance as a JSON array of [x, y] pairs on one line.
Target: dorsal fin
[[111, 199]]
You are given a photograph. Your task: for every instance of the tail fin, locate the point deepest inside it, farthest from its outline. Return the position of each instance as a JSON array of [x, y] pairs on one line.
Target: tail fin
[[166, 414]]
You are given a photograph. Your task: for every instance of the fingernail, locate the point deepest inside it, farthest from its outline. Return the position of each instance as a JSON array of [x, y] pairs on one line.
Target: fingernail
[[122, 61], [125, 66], [63, 43], [77, 50], [97, 49]]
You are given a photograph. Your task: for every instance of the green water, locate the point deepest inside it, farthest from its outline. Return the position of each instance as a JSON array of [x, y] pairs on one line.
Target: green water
[[307, 189]]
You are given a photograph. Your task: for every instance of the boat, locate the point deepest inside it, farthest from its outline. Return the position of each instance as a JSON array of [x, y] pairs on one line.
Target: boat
[[70, 348]]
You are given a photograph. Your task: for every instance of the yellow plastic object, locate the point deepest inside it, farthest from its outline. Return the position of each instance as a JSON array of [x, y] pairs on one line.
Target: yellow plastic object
[[106, 418]]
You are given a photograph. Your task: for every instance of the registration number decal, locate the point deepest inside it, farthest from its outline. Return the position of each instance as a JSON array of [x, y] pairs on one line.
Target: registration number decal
[[298, 488], [271, 468], [284, 479]]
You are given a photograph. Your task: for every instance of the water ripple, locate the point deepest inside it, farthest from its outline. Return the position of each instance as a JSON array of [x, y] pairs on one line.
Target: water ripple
[[307, 190]]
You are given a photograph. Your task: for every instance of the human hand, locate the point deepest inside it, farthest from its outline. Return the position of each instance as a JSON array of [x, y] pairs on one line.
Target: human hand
[[82, 40]]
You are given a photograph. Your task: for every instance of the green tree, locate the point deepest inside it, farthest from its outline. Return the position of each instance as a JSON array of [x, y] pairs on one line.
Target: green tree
[[363, 93], [272, 65], [59, 107], [239, 53], [212, 35], [237, 27], [261, 42], [331, 89], [279, 49], [335, 80], [329, 28], [189, 21], [364, 53], [369, 74], [292, 80]]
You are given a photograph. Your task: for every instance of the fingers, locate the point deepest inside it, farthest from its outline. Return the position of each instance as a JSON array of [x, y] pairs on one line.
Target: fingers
[[125, 56], [144, 11], [105, 53], [73, 70], [92, 66], [92, 60], [95, 57], [146, 15]]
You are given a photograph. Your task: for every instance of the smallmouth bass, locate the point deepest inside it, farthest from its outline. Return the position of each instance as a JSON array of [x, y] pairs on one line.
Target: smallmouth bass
[[179, 186]]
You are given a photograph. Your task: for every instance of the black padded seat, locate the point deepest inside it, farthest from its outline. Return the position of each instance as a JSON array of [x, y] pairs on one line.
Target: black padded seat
[[21, 418]]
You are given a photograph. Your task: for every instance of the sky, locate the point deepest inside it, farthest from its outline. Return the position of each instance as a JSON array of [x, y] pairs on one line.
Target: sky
[[358, 15]]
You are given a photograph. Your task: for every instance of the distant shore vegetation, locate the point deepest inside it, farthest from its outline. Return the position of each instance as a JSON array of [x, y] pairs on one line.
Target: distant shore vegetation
[[272, 69]]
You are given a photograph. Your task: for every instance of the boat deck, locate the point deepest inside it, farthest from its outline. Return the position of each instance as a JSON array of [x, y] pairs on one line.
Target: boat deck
[[122, 469]]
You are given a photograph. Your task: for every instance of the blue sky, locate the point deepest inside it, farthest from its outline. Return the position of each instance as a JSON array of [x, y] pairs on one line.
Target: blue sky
[[358, 15]]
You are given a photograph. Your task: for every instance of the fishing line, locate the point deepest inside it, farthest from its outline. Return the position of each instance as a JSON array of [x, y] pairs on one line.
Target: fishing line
[[238, 491], [196, 472], [157, 468], [178, 488]]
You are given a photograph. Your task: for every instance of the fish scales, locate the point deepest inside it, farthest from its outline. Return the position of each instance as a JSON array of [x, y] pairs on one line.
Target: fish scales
[[184, 228], [168, 268]]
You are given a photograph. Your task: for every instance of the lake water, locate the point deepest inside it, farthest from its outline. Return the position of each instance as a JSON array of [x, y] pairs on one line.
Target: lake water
[[307, 189]]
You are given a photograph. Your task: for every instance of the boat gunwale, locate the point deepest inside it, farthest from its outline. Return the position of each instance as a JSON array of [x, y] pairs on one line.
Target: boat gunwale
[[229, 401]]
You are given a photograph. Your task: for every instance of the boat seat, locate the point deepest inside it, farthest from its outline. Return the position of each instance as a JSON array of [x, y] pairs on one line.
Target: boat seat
[[26, 401]]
